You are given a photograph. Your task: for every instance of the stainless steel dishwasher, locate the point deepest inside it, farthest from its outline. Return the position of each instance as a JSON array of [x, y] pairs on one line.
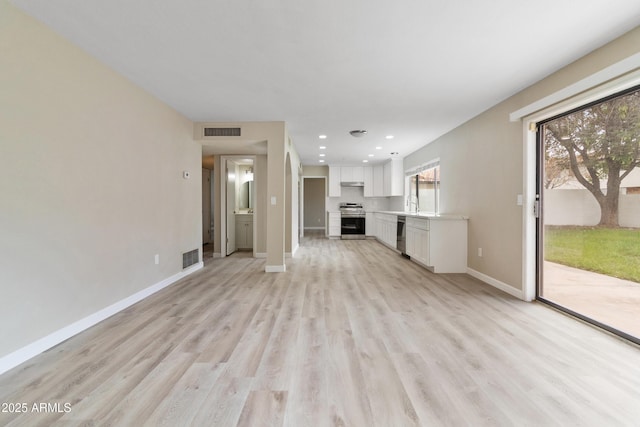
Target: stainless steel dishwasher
[[401, 242]]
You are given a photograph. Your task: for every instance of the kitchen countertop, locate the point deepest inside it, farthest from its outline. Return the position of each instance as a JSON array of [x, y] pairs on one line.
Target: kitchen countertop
[[425, 215]]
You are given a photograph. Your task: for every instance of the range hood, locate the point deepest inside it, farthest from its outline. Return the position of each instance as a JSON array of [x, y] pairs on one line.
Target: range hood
[[352, 184]]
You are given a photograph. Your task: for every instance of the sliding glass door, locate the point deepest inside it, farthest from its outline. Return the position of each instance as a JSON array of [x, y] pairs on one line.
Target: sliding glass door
[[589, 213]]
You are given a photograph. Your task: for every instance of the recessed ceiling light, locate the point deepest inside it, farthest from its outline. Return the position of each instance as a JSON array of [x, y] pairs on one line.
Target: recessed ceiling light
[[389, 136], [370, 155], [378, 148], [321, 161], [322, 136], [322, 147], [365, 161], [322, 154]]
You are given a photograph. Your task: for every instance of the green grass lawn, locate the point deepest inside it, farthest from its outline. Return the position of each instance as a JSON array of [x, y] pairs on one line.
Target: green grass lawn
[[611, 251]]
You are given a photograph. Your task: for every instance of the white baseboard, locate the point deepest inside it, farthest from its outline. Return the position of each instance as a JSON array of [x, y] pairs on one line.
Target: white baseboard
[[25, 353], [496, 284], [292, 253], [275, 268], [261, 255]]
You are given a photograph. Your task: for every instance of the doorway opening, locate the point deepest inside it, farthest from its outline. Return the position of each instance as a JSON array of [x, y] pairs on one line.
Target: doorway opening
[[208, 207], [237, 191], [313, 210], [588, 208]]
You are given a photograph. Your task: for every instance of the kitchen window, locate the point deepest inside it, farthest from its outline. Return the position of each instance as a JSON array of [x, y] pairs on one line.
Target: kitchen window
[[423, 188]]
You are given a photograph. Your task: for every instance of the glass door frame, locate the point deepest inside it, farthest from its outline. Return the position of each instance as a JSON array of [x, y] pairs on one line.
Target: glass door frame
[[614, 78], [538, 210]]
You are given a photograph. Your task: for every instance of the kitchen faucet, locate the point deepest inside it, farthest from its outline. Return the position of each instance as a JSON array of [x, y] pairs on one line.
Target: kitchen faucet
[[410, 202]]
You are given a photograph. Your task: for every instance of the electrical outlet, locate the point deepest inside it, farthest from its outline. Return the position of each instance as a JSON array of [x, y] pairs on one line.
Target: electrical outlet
[[480, 252], [157, 259]]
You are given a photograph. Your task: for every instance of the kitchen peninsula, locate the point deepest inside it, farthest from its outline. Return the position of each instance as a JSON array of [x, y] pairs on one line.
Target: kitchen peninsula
[[437, 242]]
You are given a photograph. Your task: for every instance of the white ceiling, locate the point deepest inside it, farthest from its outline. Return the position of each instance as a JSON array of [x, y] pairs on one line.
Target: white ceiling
[[414, 69]]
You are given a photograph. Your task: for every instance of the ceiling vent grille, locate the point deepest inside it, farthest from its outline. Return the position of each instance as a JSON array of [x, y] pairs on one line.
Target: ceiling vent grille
[[221, 131]]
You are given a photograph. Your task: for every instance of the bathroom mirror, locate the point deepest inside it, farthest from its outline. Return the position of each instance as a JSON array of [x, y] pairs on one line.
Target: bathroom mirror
[[246, 195]]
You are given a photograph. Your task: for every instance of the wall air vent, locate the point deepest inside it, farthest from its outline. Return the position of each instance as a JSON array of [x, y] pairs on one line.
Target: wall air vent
[[190, 258], [221, 131]]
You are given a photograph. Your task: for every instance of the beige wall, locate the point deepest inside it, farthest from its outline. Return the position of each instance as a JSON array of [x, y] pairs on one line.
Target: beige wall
[[315, 171], [482, 167], [90, 181], [269, 181], [261, 177]]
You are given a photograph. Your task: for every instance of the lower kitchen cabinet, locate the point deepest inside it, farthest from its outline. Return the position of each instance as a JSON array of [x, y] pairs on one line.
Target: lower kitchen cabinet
[[335, 224], [386, 229], [436, 242], [370, 224], [418, 240]]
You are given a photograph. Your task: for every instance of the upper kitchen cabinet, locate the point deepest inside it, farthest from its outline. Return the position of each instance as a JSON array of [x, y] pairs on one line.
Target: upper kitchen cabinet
[[334, 181], [379, 181], [352, 174], [373, 181], [343, 174], [393, 178]]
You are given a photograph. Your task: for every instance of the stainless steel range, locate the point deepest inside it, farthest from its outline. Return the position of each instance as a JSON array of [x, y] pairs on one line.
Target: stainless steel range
[[352, 221]]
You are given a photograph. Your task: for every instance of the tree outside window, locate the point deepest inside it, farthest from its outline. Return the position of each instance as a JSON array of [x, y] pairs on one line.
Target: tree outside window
[[598, 146]]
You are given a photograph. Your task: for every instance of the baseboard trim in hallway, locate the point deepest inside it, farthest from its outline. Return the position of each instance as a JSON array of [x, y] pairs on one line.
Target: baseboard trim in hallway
[[352, 334], [496, 284], [275, 268], [29, 351]]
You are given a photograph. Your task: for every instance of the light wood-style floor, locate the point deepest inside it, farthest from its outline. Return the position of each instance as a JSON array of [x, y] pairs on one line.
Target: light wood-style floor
[[351, 335]]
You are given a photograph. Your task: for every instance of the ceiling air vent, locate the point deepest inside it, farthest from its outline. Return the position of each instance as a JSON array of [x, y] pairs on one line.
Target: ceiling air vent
[[221, 131]]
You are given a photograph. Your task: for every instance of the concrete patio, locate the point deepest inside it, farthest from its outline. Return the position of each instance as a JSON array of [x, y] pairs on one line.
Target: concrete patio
[[608, 300]]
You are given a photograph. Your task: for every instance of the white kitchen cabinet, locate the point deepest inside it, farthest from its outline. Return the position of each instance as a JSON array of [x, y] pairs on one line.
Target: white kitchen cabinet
[[368, 182], [393, 178], [386, 229], [351, 174], [391, 231], [370, 223], [448, 245], [418, 240], [334, 181], [440, 244], [335, 223], [377, 218], [357, 173], [346, 174], [373, 181], [244, 231], [436, 242], [378, 181]]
